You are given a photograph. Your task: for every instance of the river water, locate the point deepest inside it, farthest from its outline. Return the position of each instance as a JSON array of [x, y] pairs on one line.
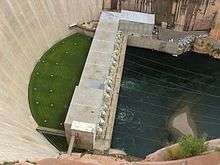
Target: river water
[[155, 86]]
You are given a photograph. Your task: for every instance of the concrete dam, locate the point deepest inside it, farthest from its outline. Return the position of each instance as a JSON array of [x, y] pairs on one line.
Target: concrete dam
[[31, 28], [27, 30]]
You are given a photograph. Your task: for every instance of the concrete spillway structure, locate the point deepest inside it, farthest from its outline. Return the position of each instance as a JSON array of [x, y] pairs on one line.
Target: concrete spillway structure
[[28, 28], [91, 114]]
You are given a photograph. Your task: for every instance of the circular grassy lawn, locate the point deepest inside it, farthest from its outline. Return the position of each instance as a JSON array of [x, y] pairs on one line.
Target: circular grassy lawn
[[54, 79]]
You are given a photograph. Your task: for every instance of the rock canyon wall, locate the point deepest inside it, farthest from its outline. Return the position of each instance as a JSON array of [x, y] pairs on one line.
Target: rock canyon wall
[[27, 29], [215, 33], [181, 14]]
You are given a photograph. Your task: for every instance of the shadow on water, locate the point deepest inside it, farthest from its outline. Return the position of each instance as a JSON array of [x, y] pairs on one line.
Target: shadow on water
[[153, 88]]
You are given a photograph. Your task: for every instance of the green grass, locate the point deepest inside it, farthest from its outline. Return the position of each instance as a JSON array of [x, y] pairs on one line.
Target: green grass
[[188, 146], [192, 146], [54, 79]]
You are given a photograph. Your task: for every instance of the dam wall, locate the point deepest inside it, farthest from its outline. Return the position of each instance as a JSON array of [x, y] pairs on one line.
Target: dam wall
[[29, 28]]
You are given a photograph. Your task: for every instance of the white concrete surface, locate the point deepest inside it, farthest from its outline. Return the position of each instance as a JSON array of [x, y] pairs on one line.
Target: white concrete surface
[[88, 97], [85, 132], [131, 22], [27, 29], [137, 17], [94, 93]]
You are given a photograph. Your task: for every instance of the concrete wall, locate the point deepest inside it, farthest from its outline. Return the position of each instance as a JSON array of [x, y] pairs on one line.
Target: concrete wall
[[136, 28], [155, 44], [27, 29]]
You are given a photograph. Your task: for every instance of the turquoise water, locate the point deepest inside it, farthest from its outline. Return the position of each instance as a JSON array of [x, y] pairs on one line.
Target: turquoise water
[[156, 86]]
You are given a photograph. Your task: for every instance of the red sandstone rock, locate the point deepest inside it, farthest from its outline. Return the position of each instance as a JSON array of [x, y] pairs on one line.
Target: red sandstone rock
[[161, 155], [23, 163], [156, 158], [84, 160], [215, 33], [212, 158]]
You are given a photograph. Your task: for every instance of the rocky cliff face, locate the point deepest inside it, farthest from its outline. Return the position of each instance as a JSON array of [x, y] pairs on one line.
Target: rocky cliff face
[[215, 33], [181, 14], [207, 46]]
